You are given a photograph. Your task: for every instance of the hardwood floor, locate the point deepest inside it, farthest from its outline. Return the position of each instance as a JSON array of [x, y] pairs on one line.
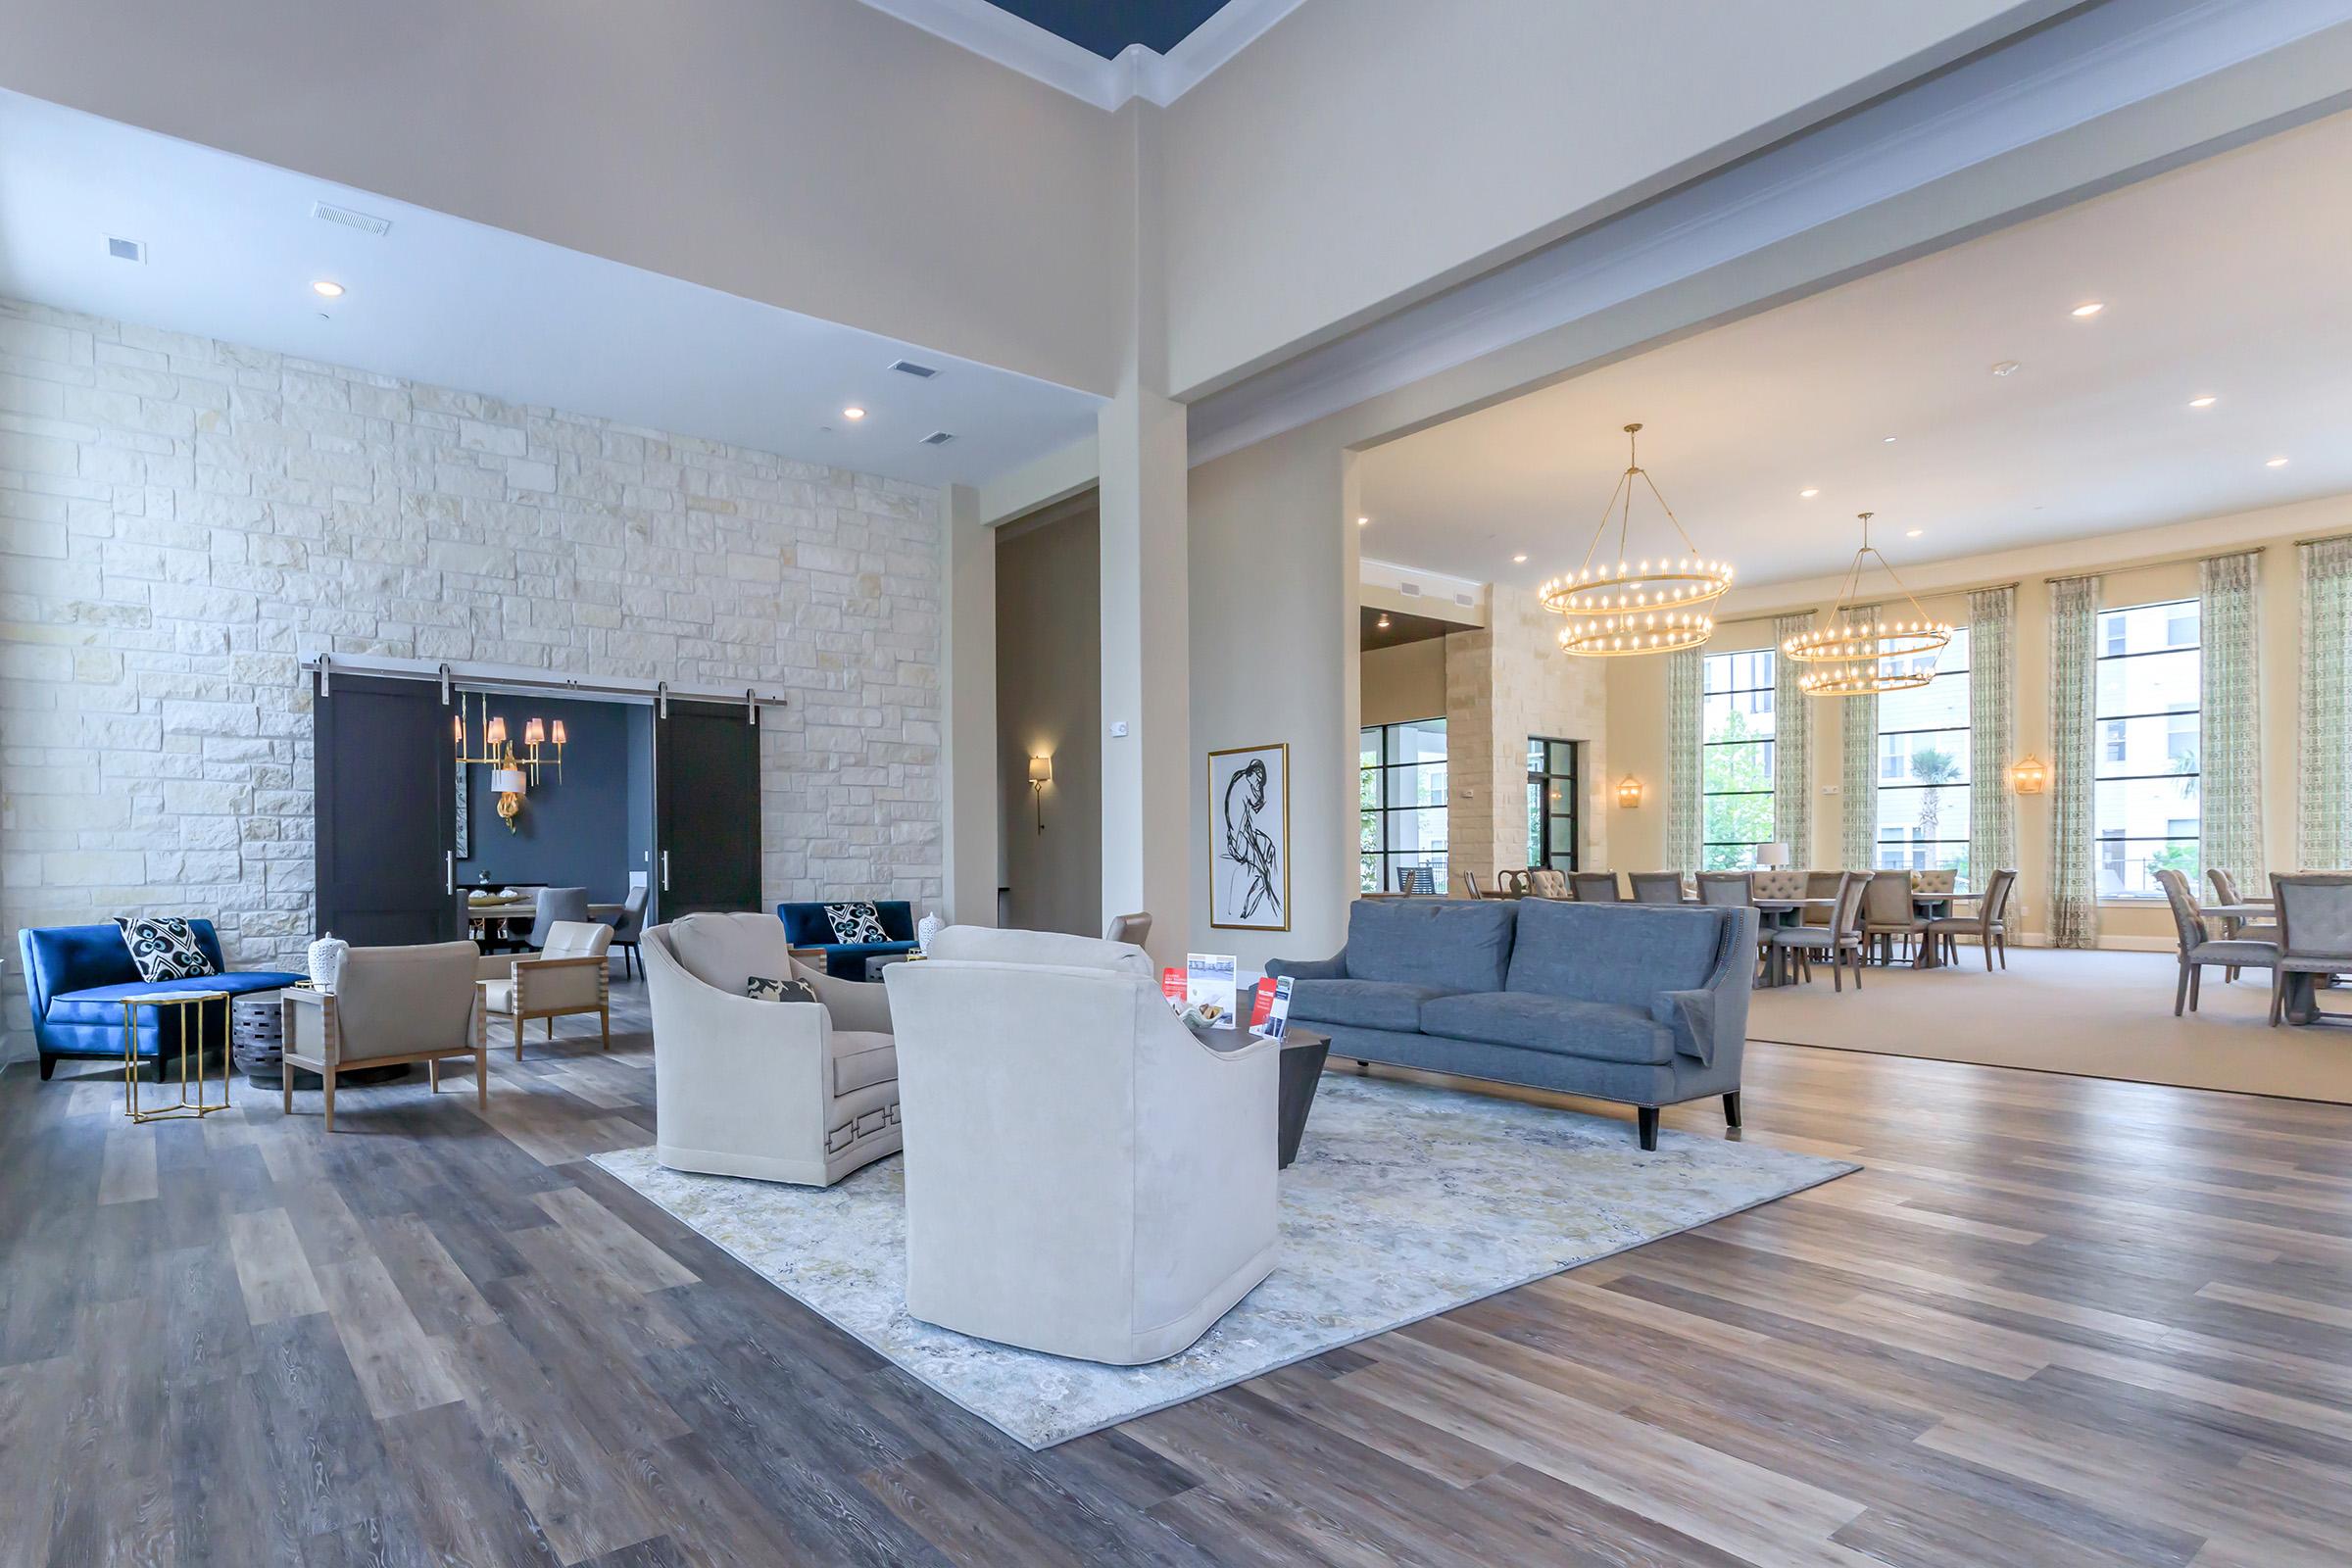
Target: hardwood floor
[[2054, 1321]]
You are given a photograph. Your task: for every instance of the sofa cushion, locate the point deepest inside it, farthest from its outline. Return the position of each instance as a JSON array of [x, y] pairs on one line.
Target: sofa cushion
[[1445, 944], [856, 923], [1617, 953], [1360, 1004], [723, 951], [1565, 1027], [861, 1061], [164, 946], [91, 1018]]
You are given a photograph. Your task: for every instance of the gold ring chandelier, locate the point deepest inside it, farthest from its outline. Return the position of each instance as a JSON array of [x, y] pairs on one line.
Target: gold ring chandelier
[[1850, 657], [1635, 607]]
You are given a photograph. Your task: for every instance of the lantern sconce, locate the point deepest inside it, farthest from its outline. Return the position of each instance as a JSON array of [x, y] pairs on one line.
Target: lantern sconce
[[1040, 774], [2029, 776], [1629, 793]]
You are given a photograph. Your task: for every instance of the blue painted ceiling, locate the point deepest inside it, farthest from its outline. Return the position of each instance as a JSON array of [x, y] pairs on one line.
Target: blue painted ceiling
[[1107, 26]]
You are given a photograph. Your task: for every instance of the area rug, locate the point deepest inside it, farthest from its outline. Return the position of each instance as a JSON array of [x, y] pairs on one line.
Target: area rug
[[1405, 1201]]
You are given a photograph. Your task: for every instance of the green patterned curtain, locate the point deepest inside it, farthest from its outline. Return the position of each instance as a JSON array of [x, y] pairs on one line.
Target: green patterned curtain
[[1992, 733], [2324, 709], [2230, 717], [2074, 705], [1858, 845], [1684, 801], [1792, 744]]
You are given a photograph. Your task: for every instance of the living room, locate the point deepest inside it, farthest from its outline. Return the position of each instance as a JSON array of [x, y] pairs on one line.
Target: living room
[[727, 856]]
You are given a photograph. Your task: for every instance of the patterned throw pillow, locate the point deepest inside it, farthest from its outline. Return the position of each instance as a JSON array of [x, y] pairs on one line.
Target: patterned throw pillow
[[760, 988], [164, 946], [856, 924]]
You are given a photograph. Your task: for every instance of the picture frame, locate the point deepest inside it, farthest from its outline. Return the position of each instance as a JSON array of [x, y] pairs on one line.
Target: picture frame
[[1250, 838]]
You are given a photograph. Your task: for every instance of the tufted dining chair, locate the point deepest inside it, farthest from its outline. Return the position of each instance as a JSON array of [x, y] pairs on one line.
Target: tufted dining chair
[[1545, 882]]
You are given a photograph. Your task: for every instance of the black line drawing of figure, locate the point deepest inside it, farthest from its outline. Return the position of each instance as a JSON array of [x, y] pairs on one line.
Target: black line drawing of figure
[[1252, 852]]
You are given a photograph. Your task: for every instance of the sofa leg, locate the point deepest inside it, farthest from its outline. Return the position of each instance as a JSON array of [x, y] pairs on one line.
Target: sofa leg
[[48, 1065], [1645, 1123], [1731, 1111]]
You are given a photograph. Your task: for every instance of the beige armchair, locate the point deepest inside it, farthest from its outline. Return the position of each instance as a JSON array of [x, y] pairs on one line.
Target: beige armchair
[[568, 975], [390, 1005], [780, 1091]]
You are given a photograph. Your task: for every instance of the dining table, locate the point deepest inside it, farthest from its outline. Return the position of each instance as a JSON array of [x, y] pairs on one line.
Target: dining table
[[497, 920]]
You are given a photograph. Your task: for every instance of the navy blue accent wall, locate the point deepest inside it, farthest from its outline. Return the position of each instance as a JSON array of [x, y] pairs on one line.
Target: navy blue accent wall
[[641, 800], [1107, 26], [576, 833]]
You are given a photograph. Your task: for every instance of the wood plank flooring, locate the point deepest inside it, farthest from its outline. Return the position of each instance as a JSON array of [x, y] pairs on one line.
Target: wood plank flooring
[[2056, 1321]]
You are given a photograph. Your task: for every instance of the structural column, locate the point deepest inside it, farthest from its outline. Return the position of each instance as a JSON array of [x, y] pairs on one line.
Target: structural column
[[974, 816]]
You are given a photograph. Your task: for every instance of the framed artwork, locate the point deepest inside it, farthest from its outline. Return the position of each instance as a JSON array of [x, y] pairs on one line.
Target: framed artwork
[[464, 822], [1250, 838]]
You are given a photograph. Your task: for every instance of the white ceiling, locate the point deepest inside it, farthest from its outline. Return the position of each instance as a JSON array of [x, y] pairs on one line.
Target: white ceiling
[[2230, 277], [232, 250]]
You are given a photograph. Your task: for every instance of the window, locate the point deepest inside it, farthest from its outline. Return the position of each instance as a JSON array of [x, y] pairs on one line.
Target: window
[[1924, 769], [1551, 803], [2147, 790], [1401, 794], [1735, 768]]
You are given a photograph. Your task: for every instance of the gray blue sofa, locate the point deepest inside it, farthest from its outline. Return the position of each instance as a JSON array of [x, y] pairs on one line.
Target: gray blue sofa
[[1643, 1003], [77, 979]]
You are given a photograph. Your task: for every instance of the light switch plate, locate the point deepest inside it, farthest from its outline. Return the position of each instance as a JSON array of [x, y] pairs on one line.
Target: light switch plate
[[1119, 728]]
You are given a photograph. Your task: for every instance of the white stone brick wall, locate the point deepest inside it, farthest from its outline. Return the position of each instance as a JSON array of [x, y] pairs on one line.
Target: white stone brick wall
[[1504, 684], [181, 520]]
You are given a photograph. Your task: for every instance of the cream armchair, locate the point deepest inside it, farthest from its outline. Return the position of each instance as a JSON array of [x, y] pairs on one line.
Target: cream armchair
[[568, 975], [1082, 1176], [389, 1006], [782, 1090]]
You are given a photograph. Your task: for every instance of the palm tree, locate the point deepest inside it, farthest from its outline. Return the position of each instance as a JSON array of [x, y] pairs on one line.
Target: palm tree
[[1934, 770]]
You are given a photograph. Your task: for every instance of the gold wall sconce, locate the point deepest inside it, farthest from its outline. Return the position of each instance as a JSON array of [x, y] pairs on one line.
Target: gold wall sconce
[[1040, 774], [1629, 793], [2029, 776]]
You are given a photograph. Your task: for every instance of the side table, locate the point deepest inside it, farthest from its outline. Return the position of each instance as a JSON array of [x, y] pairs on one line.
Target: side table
[[190, 1039]]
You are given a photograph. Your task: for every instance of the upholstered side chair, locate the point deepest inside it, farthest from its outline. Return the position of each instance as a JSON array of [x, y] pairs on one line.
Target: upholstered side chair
[[1133, 928], [1657, 887], [390, 1005], [1593, 887], [628, 929], [2315, 933], [1986, 924], [2199, 947], [570, 975], [1839, 939]]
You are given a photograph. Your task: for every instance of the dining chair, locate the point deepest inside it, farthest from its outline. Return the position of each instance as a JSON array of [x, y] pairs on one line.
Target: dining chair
[[1545, 882], [1416, 879], [1841, 938], [1134, 929], [1888, 912], [1512, 883], [1470, 885], [1657, 887], [2198, 947], [1823, 885], [1935, 879], [2237, 927], [1593, 887], [1724, 889], [567, 905], [628, 927], [1985, 925], [2315, 930]]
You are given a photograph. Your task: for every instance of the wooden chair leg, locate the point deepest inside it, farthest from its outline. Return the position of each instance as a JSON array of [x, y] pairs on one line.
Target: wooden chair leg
[[2278, 995], [1646, 1126], [1730, 1109], [285, 1087], [432, 1074], [326, 1079], [604, 1022], [2180, 989], [481, 1077], [518, 1023], [550, 1026], [2196, 983]]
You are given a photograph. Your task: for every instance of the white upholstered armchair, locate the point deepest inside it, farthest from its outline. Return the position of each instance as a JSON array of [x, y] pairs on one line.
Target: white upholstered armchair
[[1082, 1176], [782, 1090], [568, 974]]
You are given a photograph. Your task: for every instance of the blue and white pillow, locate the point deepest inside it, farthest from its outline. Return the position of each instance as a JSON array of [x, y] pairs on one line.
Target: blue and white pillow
[[164, 947], [760, 988], [856, 924]]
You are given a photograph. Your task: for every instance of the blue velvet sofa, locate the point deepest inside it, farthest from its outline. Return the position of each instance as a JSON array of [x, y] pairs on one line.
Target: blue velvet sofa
[[806, 926], [76, 977], [1642, 1004]]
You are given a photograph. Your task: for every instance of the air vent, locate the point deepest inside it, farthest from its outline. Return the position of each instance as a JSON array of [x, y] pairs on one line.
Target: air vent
[[939, 438], [922, 372], [364, 223], [1462, 600], [1410, 590], [125, 250]]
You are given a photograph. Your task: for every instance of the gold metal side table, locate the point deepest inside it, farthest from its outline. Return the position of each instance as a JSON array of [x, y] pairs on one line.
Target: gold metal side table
[[184, 1107]]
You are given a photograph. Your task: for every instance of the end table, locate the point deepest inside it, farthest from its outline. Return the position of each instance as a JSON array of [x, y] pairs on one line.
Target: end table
[[190, 1039]]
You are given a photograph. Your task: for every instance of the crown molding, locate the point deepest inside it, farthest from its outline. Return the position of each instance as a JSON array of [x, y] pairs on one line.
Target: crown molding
[[1138, 73]]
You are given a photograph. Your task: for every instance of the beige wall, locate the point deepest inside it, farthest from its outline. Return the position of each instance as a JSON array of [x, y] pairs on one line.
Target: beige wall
[[1404, 682], [1049, 703], [2144, 566]]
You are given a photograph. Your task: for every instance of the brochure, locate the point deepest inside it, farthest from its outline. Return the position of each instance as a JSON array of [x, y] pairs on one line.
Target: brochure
[[1273, 1010], [1171, 987], [1209, 985]]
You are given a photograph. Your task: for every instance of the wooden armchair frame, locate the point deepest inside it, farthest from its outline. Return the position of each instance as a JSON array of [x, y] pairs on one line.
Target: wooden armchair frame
[[327, 1061]]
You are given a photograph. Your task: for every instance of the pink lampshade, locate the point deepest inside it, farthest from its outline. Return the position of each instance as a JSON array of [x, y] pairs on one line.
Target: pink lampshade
[[558, 731], [457, 728], [534, 733], [496, 735]]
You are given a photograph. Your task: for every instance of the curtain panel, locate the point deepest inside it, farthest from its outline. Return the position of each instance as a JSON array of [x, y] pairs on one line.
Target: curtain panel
[[1792, 744], [2324, 709], [2230, 717], [2073, 706], [1684, 801], [1858, 786], [1992, 733]]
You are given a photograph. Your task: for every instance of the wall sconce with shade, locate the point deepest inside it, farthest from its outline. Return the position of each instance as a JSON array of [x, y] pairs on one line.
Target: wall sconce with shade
[[1040, 774], [1771, 855], [1629, 793], [2029, 776], [509, 774]]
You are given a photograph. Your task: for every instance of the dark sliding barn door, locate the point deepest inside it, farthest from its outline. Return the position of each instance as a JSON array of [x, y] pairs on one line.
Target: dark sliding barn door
[[387, 811], [707, 809]]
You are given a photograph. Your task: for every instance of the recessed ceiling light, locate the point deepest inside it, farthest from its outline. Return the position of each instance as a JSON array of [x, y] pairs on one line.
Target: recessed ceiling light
[[327, 290], [2205, 402], [1360, 522], [2275, 462], [853, 412], [1913, 533], [1887, 440], [2089, 309], [1809, 492], [1518, 561], [2007, 367]]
